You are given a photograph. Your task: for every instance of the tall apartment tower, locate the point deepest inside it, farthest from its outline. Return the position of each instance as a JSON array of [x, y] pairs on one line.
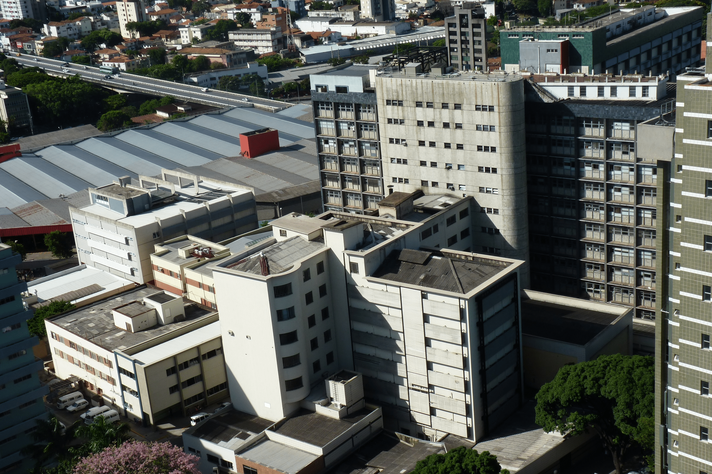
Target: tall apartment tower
[[20, 390], [346, 125], [466, 38], [19, 9], [462, 136], [592, 194], [130, 11], [378, 10], [684, 350]]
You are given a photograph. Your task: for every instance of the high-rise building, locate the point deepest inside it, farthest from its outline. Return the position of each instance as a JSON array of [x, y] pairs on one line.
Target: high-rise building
[[378, 10], [466, 38], [592, 195], [19, 9], [683, 350], [20, 390], [130, 11]]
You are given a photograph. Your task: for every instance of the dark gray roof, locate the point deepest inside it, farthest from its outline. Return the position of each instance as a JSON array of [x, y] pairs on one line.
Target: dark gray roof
[[318, 430], [438, 272], [231, 424], [563, 323], [278, 257]]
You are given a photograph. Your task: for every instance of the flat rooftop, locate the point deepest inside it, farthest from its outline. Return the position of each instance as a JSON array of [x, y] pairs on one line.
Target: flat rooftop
[[629, 79], [133, 309], [170, 251], [277, 456], [178, 344], [76, 285], [230, 428], [354, 70], [434, 271], [276, 258], [318, 430], [121, 192], [95, 322], [565, 319], [386, 454], [299, 223], [495, 76]]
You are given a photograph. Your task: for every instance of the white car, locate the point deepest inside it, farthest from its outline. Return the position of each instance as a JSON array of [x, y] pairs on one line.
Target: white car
[[198, 417], [79, 405]]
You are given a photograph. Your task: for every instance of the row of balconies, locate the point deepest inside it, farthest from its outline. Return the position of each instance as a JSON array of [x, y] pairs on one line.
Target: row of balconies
[[644, 258], [624, 238], [643, 279]]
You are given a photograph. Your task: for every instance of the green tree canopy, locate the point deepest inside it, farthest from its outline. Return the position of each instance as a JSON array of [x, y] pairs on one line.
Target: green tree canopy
[[26, 76], [146, 28], [220, 31], [17, 247], [100, 435], [55, 48], [36, 323], [81, 59], [113, 120], [91, 41], [439, 43], [200, 63], [149, 107], [157, 56], [199, 7], [460, 461], [51, 441], [544, 7], [115, 102], [61, 100], [525, 6], [36, 25], [318, 5], [612, 395], [276, 62], [8, 65], [59, 243], [243, 19], [75, 15]]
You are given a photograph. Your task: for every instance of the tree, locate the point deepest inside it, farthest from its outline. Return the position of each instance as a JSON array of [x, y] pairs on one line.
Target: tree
[[157, 56], [525, 6], [36, 323], [115, 102], [149, 107], [75, 15], [51, 440], [58, 243], [243, 19], [200, 63], [100, 435], [146, 28], [318, 5], [199, 7], [17, 247], [612, 395], [81, 60], [492, 21], [137, 457], [460, 461], [544, 7], [97, 37], [439, 43], [36, 25], [276, 62], [112, 120], [26, 76], [220, 31], [55, 48]]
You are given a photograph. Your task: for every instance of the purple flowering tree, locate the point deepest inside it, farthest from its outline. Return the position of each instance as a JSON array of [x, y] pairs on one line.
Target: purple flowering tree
[[135, 457]]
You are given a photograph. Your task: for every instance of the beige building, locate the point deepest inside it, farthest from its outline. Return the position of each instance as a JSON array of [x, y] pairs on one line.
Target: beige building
[[14, 107], [144, 352], [130, 11]]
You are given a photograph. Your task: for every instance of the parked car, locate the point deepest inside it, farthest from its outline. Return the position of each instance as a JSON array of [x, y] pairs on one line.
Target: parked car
[[198, 417], [79, 405], [222, 406]]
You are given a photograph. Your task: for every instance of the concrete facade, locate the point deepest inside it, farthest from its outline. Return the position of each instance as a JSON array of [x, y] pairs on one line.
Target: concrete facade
[[21, 395], [629, 41], [463, 137], [378, 10], [130, 11], [118, 230], [466, 38], [683, 362]]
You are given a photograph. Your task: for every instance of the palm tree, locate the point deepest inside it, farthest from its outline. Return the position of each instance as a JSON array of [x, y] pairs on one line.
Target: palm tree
[[51, 441], [100, 435]]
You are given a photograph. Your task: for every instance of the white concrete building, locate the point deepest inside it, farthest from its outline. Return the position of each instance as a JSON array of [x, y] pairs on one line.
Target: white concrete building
[[117, 231], [130, 11], [212, 77], [262, 40], [345, 291], [193, 33], [143, 352]]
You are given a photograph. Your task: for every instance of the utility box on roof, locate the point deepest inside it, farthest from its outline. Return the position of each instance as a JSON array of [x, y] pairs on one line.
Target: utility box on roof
[[259, 142]]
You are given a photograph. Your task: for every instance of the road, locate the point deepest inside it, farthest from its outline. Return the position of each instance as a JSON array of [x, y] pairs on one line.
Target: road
[[146, 85]]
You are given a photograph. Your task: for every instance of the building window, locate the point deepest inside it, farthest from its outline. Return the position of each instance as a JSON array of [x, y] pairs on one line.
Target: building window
[[708, 188], [316, 366], [288, 338], [706, 293], [329, 358], [291, 361], [421, 142], [353, 268], [306, 275], [429, 105], [309, 298], [312, 320], [459, 146], [450, 221], [704, 433], [452, 240], [314, 343], [322, 291], [614, 91], [601, 91], [704, 388], [646, 91], [431, 144], [445, 105], [631, 91], [320, 268], [285, 314], [705, 341], [431, 124], [419, 123], [293, 384], [446, 124], [171, 371], [417, 104], [283, 290], [325, 314], [709, 129], [571, 91], [582, 91], [282, 233], [447, 145], [327, 335], [458, 106]]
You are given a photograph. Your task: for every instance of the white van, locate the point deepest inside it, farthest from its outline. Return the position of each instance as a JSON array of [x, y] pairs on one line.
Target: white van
[[111, 416], [92, 412], [68, 399]]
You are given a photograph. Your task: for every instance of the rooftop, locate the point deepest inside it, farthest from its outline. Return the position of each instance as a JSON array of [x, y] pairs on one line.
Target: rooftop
[[95, 322], [277, 258], [495, 76], [566, 319], [178, 344], [230, 428], [299, 223], [76, 285], [277, 456], [629, 79], [318, 430], [435, 271], [121, 192]]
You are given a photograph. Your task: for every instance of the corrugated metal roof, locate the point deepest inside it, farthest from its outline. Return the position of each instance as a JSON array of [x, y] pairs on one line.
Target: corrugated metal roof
[[86, 166], [14, 192], [37, 215], [42, 175], [288, 125], [185, 154], [8, 219], [216, 142], [279, 457], [123, 154]]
